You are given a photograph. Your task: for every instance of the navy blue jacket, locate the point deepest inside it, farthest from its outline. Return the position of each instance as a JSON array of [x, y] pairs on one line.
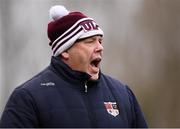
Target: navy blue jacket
[[58, 97]]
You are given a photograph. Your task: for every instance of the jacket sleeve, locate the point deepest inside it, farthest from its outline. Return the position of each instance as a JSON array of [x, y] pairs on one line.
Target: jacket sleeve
[[20, 111], [138, 120]]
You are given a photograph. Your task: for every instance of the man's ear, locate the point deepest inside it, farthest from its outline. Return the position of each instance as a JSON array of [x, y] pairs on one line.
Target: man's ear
[[65, 55]]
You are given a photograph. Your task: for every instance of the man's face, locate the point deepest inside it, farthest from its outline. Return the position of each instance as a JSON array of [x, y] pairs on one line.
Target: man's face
[[85, 56]]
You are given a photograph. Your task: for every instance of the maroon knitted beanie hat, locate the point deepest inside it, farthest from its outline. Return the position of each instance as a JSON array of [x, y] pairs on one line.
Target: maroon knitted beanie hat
[[67, 27]]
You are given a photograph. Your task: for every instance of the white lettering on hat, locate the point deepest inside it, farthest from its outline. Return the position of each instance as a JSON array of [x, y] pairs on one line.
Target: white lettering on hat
[[89, 25]]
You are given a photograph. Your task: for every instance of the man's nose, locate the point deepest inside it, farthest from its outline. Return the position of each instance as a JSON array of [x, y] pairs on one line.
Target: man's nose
[[99, 47]]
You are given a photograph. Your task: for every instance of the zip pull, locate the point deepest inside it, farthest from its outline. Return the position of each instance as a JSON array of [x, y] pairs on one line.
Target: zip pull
[[85, 86]]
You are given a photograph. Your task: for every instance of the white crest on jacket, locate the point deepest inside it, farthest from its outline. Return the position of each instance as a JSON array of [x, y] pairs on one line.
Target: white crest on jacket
[[112, 108]]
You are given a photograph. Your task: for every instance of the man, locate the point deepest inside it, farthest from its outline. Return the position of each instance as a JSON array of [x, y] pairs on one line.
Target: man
[[72, 91]]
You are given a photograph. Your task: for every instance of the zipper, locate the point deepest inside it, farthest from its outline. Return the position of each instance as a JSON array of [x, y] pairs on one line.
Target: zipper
[[88, 105], [85, 87]]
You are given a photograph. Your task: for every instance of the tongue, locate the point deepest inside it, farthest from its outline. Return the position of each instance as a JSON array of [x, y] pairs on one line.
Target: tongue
[[94, 68]]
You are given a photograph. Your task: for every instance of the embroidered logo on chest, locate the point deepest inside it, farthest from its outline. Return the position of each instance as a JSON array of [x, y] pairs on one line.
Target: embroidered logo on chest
[[47, 84], [112, 108]]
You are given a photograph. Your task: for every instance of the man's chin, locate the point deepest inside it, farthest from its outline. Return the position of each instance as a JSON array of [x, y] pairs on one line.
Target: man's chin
[[94, 77]]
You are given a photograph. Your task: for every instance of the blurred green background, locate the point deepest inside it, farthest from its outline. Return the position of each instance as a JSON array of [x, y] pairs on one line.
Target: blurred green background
[[142, 48]]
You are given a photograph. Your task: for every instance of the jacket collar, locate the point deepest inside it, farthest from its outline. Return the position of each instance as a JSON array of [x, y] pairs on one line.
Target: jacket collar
[[67, 73]]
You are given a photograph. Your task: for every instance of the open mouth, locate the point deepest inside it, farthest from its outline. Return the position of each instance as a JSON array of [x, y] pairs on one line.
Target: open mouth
[[95, 63]]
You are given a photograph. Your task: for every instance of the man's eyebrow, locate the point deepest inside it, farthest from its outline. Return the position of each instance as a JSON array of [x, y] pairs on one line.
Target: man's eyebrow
[[94, 38]]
